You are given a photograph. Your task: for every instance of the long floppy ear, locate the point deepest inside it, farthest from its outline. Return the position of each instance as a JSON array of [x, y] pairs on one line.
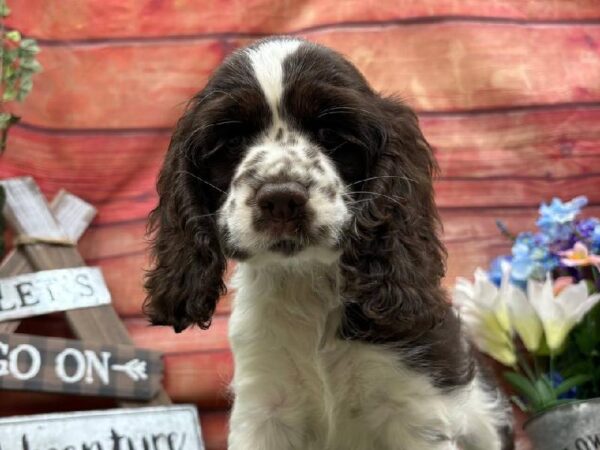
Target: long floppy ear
[[185, 282], [394, 260]]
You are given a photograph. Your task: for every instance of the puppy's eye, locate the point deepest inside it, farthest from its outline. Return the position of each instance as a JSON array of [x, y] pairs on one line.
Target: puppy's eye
[[235, 141], [344, 150], [327, 136]]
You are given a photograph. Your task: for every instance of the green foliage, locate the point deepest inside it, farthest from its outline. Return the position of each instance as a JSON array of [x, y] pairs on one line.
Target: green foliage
[[18, 66], [4, 9], [582, 355], [538, 393]]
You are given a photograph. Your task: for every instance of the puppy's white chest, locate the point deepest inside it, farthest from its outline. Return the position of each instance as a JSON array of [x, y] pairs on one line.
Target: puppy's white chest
[[289, 364]]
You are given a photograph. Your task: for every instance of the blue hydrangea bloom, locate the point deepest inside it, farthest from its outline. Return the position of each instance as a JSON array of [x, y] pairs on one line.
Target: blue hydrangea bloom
[[522, 264], [531, 257], [556, 217], [556, 379], [495, 272]]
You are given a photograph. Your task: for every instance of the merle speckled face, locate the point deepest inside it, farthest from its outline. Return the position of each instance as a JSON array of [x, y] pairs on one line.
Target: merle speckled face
[[285, 133]]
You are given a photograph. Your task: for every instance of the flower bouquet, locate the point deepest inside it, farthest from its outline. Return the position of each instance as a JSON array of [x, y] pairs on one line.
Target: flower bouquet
[[537, 312]]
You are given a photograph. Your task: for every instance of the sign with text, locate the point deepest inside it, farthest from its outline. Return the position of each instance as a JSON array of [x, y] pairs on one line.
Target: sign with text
[[158, 428], [35, 363], [49, 291]]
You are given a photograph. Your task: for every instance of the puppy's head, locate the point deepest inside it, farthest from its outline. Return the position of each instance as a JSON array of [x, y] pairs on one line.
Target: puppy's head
[[287, 155]]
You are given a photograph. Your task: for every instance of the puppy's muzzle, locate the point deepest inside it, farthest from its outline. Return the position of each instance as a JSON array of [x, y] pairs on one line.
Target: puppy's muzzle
[[282, 206]]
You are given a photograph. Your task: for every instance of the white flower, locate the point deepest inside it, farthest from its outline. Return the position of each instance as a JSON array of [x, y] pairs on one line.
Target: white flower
[[523, 317], [485, 315], [559, 314]]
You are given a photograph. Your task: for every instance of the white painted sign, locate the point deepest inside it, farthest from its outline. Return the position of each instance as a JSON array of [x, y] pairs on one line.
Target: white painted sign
[[48, 291], [37, 363], [156, 428]]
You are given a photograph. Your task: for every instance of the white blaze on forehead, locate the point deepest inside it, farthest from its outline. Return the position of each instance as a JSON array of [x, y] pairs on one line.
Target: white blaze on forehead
[[267, 63]]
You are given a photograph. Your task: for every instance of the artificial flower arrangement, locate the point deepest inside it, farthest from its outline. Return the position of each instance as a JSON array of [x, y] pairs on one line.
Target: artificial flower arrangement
[[536, 311]]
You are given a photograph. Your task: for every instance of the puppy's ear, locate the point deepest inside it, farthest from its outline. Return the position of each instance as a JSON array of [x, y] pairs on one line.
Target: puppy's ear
[[394, 260], [185, 282]]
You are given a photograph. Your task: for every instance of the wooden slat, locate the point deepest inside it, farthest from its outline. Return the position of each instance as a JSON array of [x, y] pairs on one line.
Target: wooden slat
[[135, 85], [110, 240], [105, 170], [554, 143], [465, 257], [73, 19], [201, 378], [214, 429], [475, 224], [514, 192], [97, 167], [167, 341], [124, 278], [459, 66], [449, 67]]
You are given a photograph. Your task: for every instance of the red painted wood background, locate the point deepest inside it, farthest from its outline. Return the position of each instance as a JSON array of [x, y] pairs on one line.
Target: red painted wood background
[[508, 93]]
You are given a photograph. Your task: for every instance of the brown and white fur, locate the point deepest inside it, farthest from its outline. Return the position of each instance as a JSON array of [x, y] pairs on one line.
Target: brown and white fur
[[321, 189]]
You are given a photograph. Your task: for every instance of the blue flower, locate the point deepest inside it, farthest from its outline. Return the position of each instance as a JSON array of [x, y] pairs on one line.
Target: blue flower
[[588, 231], [531, 258], [595, 239], [556, 217], [521, 261], [586, 227], [495, 272]]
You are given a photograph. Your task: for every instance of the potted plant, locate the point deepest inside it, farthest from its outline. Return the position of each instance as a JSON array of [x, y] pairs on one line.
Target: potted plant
[[537, 312], [18, 65]]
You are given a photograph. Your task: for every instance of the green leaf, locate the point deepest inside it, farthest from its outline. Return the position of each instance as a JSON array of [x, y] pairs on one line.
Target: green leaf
[[4, 12], [545, 390], [29, 46], [523, 386], [577, 368], [31, 65], [8, 71], [9, 94], [10, 56], [24, 89], [4, 119], [572, 382], [13, 36]]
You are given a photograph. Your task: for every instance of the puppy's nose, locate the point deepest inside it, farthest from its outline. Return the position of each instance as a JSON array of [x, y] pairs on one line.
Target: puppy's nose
[[282, 202]]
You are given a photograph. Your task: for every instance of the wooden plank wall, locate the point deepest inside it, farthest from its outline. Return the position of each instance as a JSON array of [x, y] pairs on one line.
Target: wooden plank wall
[[508, 93]]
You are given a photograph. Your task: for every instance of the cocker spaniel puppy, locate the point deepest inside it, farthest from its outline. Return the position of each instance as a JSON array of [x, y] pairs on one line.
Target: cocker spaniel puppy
[[321, 190]]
